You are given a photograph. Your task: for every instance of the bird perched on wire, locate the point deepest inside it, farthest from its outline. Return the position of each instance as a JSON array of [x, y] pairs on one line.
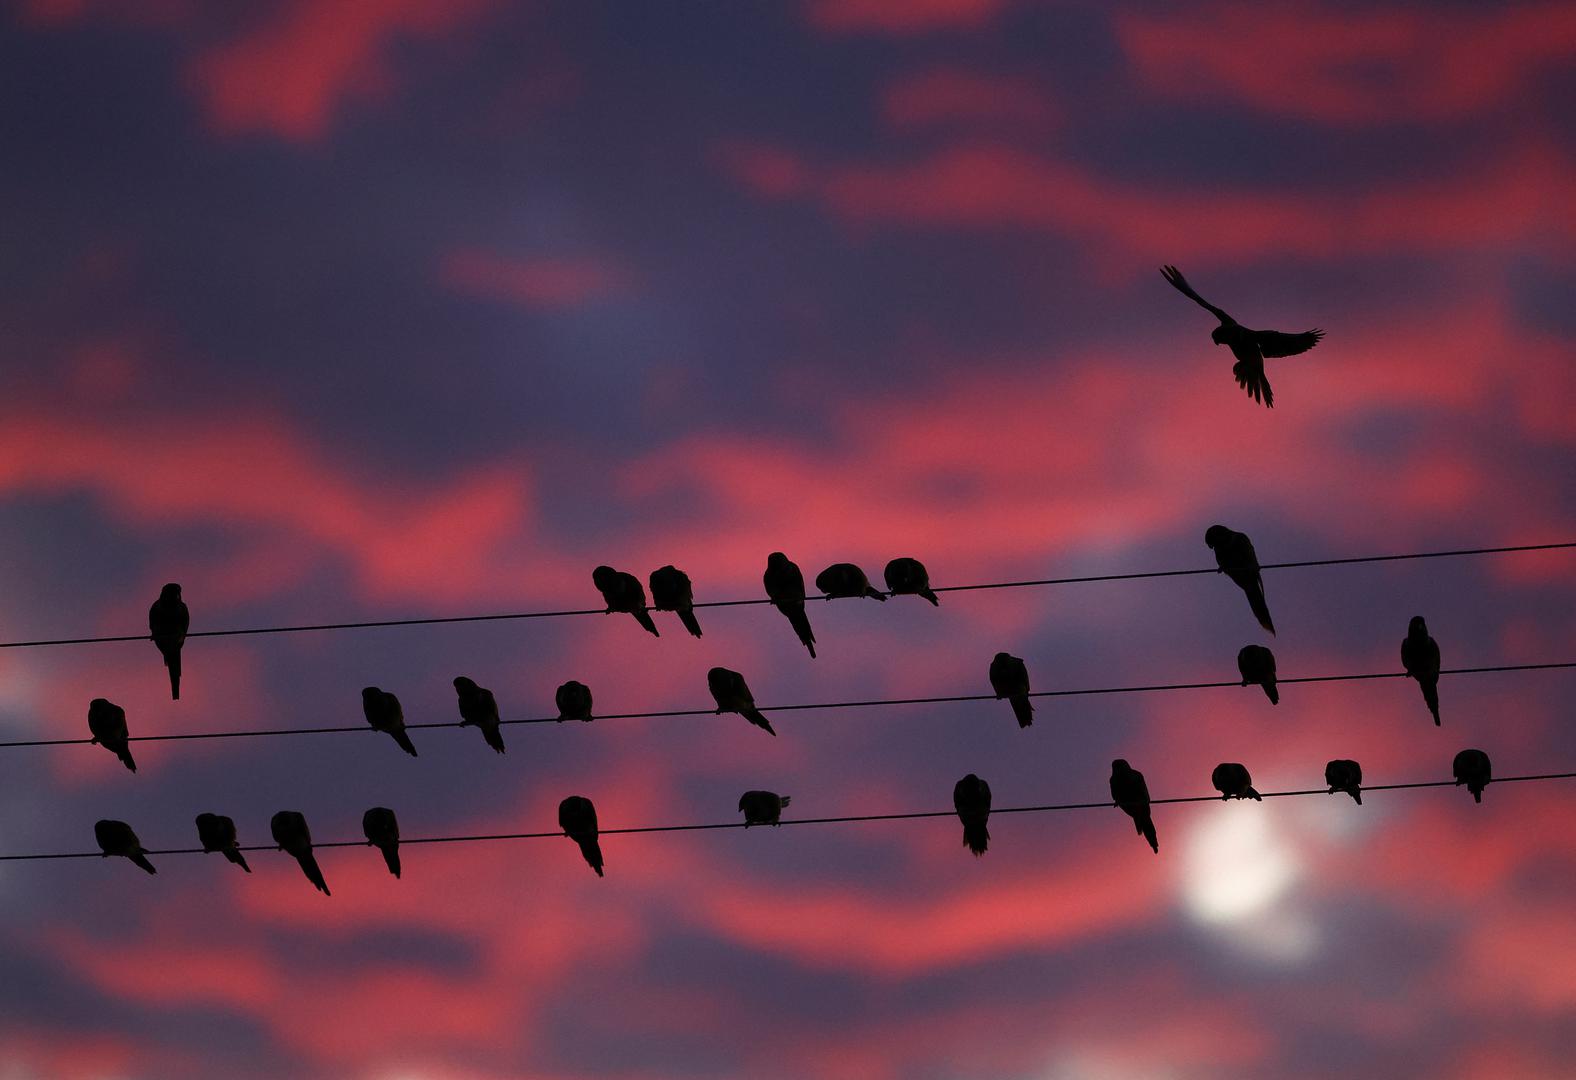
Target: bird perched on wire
[[107, 723], [785, 588], [574, 701], [1344, 774], [577, 817], [1233, 782], [731, 693], [762, 807], [623, 592], [216, 832], [1009, 678], [168, 621], [1131, 795], [117, 838], [384, 712], [295, 839], [1250, 347], [846, 579], [381, 829], [1235, 557], [971, 799], [1472, 768], [671, 591], [1420, 657], [1257, 665], [479, 709], [908, 577]]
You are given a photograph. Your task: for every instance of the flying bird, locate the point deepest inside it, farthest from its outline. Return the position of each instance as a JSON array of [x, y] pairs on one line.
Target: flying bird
[[574, 701], [577, 817], [1009, 678], [217, 833], [762, 807], [1257, 665], [908, 577], [971, 799], [1131, 794], [384, 713], [117, 838], [1235, 557], [381, 829], [671, 591], [479, 709], [293, 837], [1250, 347], [846, 579], [1344, 774], [785, 588], [728, 689], [1420, 657], [107, 723], [1472, 768], [1233, 782], [168, 621], [623, 592]]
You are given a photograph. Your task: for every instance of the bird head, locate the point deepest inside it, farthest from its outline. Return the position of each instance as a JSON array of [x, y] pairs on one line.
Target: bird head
[[776, 558], [1218, 335], [370, 694], [1216, 535], [603, 577], [1120, 765], [463, 685], [1417, 627], [172, 591]]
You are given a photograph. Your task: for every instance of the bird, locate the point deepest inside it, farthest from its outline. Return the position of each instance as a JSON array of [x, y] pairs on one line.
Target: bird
[[168, 621], [1471, 767], [1250, 347], [107, 722], [846, 579], [1009, 678], [1235, 557], [785, 588], [574, 701], [1131, 794], [971, 799], [1420, 657], [762, 807], [217, 833], [117, 838], [1233, 782], [577, 817], [1257, 665], [728, 689], [905, 577], [381, 829], [671, 591], [479, 709], [622, 592], [293, 837], [384, 713], [1344, 774]]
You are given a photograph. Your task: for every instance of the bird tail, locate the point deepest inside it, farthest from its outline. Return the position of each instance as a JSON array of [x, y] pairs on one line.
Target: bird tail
[[494, 737], [391, 857], [1146, 825], [172, 660], [1272, 692], [784, 801], [1250, 793], [1358, 795], [403, 739], [142, 860], [124, 753], [313, 874], [1477, 793], [801, 626], [976, 837], [931, 596], [691, 623], [875, 593], [758, 718], [592, 852], [1431, 698], [1261, 609], [1023, 709], [643, 617], [237, 858]]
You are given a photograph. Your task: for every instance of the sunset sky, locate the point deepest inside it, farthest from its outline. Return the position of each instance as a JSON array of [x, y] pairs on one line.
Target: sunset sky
[[342, 310]]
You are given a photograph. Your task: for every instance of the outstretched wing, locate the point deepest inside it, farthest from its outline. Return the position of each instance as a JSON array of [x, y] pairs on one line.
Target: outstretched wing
[[1275, 343], [1178, 282]]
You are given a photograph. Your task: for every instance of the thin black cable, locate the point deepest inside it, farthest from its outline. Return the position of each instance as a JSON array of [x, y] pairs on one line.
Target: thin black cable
[[446, 619]]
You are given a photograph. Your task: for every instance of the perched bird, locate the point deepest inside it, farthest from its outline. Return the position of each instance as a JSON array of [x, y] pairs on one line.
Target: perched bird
[[1250, 347], [762, 807], [1009, 678], [732, 695], [1257, 665], [908, 577], [292, 836], [622, 592], [1233, 782], [785, 587], [1131, 794], [107, 722], [479, 709], [168, 621], [117, 838], [577, 817], [846, 579], [1472, 769], [971, 799], [671, 591], [1236, 558], [1344, 774], [574, 701], [384, 713], [217, 833], [381, 829], [1420, 657]]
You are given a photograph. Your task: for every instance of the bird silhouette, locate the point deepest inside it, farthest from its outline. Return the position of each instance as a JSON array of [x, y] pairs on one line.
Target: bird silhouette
[[1236, 558], [384, 712], [1250, 347], [577, 817], [479, 709], [971, 799], [168, 621], [846, 579], [728, 689], [1472, 768], [671, 591], [293, 837], [1233, 782], [1344, 774], [908, 577], [107, 723], [785, 587], [117, 838], [1009, 678], [574, 701], [762, 807], [381, 829], [1257, 665], [217, 833], [623, 592], [1131, 794], [1420, 657]]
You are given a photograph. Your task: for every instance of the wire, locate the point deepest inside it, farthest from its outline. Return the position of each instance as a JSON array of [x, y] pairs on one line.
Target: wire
[[447, 619], [869, 703], [712, 826]]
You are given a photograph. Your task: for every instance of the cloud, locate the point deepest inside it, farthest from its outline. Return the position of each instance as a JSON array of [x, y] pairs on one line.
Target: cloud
[[957, 96], [900, 17], [536, 282]]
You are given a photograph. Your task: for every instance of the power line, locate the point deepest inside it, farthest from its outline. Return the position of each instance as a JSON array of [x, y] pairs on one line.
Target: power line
[[812, 706], [515, 615], [844, 818]]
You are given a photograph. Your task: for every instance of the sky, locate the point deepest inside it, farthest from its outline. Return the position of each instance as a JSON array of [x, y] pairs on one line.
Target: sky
[[347, 311]]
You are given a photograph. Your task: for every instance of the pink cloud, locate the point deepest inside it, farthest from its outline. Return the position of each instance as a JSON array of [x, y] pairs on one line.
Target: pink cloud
[[900, 16], [540, 282], [958, 96]]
